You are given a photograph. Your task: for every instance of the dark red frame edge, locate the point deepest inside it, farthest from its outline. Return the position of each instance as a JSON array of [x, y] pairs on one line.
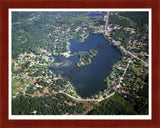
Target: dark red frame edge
[[6, 4]]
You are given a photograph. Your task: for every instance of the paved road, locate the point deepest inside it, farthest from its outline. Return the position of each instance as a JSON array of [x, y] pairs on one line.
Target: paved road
[[94, 100], [125, 70], [133, 55], [106, 17]]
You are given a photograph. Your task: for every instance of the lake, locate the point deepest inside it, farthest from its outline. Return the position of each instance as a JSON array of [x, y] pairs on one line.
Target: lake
[[95, 15], [89, 79]]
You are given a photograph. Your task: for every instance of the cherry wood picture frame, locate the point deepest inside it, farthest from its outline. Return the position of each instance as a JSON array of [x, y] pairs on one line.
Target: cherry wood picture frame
[[4, 61]]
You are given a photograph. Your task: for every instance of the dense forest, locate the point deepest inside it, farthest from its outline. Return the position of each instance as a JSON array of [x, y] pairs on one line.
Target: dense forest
[[58, 104], [85, 57], [130, 19], [116, 105]]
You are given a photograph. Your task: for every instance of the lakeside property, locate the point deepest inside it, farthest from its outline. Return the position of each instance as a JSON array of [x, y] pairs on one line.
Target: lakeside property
[[31, 69]]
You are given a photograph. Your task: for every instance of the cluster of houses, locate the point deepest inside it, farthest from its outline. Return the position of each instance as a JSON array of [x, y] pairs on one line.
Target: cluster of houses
[[34, 60], [29, 80], [133, 45]]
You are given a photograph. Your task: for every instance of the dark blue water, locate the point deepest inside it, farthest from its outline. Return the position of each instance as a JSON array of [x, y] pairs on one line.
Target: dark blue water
[[91, 42], [89, 79], [95, 15]]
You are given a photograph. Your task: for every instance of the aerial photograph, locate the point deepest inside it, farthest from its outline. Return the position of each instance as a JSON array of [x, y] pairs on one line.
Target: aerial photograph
[[79, 62]]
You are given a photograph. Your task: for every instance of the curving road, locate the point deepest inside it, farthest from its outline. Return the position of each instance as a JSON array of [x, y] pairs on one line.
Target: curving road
[[94, 100]]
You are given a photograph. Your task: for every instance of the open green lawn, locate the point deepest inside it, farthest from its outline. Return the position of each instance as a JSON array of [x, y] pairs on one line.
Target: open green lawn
[[15, 84]]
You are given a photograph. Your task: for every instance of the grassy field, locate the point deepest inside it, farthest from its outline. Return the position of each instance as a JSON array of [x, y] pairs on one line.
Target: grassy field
[[15, 85]]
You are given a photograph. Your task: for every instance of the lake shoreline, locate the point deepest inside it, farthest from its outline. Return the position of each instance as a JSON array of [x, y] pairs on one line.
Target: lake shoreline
[[98, 46]]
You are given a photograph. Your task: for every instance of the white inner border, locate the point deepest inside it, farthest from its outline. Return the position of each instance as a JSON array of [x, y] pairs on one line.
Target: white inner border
[[79, 117]]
